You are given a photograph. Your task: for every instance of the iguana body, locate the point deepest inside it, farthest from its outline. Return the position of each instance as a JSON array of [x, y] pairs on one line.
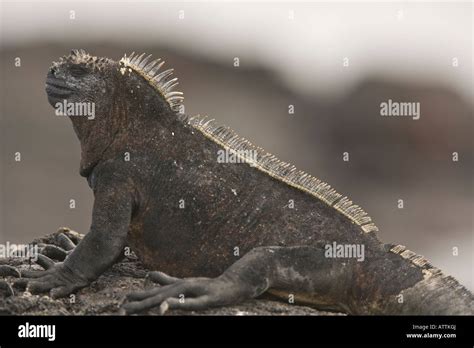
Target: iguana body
[[185, 214]]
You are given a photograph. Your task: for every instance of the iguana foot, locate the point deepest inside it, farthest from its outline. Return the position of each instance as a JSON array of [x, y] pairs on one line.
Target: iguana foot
[[55, 277], [58, 279], [185, 294]]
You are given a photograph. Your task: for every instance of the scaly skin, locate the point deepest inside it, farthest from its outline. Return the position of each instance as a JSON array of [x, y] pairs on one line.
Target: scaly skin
[[226, 206]]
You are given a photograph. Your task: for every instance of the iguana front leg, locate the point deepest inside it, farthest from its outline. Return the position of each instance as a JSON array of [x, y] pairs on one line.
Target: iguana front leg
[[294, 270], [98, 250]]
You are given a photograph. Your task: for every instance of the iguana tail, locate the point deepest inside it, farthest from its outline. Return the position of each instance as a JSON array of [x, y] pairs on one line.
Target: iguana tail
[[434, 294]]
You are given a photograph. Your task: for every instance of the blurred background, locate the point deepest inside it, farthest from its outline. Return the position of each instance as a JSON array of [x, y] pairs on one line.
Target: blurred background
[[334, 62]]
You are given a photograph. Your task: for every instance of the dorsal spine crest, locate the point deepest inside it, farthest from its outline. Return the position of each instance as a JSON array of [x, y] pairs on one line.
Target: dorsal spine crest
[[162, 82], [282, 171]]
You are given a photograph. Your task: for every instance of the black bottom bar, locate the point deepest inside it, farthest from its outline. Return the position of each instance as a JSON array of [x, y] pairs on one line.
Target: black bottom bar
[[136, 330]]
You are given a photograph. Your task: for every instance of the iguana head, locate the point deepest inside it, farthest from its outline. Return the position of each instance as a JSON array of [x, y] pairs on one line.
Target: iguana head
[[79, 77], [107, 100]]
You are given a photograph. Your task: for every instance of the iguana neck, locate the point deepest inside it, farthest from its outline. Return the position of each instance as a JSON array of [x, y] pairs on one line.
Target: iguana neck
[[98, 136], [137, 115]]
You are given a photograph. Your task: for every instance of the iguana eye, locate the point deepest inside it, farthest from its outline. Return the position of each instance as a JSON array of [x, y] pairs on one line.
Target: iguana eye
[[78, 70]]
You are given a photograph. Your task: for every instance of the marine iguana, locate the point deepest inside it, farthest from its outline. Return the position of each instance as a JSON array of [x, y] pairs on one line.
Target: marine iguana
[[224, 229]]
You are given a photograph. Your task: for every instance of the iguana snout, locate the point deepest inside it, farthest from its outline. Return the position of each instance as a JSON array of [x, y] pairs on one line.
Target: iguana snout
[[56, 88]]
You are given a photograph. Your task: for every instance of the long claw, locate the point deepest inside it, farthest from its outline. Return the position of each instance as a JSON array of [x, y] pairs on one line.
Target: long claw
[[9, 271], [73, 235], [32, 273], [65, 242], [161, 278], [164, 306], [45, 261], [54, 252], [6, 289]]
